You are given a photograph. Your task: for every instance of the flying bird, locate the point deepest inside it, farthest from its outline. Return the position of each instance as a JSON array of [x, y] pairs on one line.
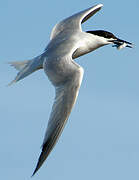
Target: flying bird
[[67, 42]]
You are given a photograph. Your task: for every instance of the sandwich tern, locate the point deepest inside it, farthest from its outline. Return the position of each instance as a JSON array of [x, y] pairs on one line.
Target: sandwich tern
[[67, 42]]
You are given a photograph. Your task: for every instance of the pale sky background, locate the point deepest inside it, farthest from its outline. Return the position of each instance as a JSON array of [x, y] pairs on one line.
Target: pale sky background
[[101, 138]]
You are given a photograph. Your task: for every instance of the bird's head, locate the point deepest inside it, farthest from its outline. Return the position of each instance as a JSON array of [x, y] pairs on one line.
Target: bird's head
[[109, 38]]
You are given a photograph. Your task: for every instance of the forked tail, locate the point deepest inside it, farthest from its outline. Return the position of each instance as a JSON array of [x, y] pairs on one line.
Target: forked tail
[[26, 67]]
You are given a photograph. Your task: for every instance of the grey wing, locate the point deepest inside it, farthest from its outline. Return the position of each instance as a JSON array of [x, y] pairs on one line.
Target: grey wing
[[66, 95], [74, 22]]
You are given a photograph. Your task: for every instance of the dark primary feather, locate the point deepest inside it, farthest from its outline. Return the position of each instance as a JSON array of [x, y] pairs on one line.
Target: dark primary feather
[[65, 99]]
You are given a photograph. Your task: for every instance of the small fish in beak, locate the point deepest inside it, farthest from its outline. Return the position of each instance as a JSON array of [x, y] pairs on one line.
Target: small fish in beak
[[119, 44]]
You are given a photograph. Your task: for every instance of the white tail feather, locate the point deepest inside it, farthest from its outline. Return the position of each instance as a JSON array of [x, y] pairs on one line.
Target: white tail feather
[[26, 67], [19, 65]]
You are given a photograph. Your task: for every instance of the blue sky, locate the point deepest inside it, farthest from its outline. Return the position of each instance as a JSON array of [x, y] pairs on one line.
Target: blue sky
[[101, 138]]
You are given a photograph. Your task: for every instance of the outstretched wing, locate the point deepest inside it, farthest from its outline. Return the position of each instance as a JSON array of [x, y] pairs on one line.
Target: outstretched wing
[[66, 95], [74, 22]]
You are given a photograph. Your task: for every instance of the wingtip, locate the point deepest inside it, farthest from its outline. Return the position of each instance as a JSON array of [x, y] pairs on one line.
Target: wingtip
[[34, 173], [100, 5], [36, 169]]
